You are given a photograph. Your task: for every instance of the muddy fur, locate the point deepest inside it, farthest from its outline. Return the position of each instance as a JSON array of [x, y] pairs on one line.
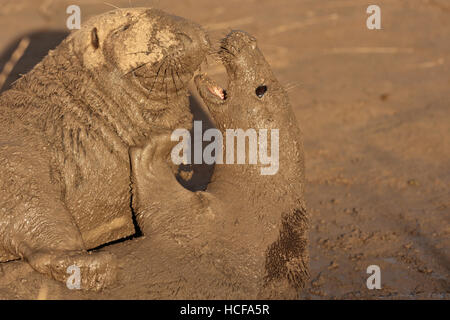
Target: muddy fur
[[246, 236], [66, 130]]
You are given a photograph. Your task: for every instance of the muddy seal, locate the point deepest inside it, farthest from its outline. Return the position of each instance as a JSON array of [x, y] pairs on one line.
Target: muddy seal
[[66, 128], [246, 236]]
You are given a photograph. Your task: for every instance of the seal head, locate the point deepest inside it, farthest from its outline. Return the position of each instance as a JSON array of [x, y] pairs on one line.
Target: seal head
[[253, 92], [157, 51]]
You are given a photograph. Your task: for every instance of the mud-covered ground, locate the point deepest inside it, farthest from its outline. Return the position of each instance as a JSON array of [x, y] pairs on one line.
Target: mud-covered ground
[[374, 106]]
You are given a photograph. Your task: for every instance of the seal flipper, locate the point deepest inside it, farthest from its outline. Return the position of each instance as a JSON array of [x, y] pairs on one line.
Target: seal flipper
[[35, 225], [161, 203], [51, 242], [96, 270]]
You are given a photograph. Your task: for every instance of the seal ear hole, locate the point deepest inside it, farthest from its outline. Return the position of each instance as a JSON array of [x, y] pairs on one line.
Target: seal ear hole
[[260, 91], [94, 38]]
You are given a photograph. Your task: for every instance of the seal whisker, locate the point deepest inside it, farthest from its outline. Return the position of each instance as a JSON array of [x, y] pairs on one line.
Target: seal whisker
[[163, 82], [157, 73], [137, 68], [183, 68], [215, 56], [167, 96], [291, 86], [111, 5], [176, 65], [173, 79], [226, 50], [178, 75], [146, 52]]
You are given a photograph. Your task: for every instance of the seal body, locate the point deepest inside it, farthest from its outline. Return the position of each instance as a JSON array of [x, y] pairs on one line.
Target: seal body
[[66, 128], [246, 236]]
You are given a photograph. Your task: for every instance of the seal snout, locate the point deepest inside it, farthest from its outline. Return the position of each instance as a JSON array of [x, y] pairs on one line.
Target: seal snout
[[240, 56], [159, 52], [236, 52], [236, 41]]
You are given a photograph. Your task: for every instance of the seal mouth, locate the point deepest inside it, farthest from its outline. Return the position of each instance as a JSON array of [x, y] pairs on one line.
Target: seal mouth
[[209, 90]]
